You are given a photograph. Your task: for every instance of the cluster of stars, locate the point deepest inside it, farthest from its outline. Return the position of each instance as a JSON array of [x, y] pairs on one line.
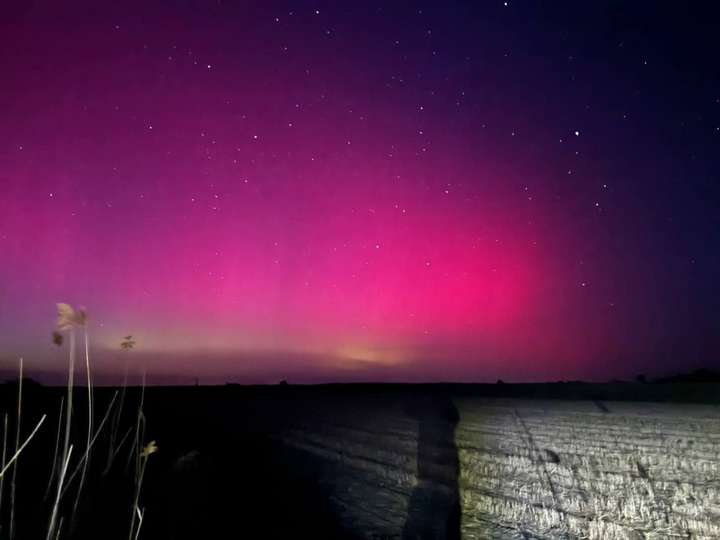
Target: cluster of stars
[[338, 168]]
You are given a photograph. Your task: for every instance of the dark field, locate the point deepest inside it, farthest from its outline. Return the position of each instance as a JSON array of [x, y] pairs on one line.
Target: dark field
[[389, 461]]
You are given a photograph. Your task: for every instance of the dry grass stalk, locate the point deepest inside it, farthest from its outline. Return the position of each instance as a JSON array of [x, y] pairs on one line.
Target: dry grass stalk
[[17, 444], [22, 447], [83, 460], [56, 505], [57, 448], [86, 457], [4, 457], [143, 456]]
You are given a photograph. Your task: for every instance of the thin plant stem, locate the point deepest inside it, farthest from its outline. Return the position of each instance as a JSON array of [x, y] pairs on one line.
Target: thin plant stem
[[86, 457], [17, 444], [92, 443], [122, 441], [57, 448], [7, 465], [4, 456], [22, 447], [138, 435], [112, 452], [53, 516], [138, 486], [140, 514], [68, 405], [59, 528]]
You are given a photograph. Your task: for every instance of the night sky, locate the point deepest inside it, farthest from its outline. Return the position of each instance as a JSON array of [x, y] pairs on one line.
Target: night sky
[[352, 191]]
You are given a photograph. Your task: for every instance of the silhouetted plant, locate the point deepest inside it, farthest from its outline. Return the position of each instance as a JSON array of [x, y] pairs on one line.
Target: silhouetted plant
[[127, 343], [143, 456], [69, 319]]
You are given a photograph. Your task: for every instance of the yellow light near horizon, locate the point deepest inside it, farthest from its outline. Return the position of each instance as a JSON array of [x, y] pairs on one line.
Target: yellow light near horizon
[[357, 356]]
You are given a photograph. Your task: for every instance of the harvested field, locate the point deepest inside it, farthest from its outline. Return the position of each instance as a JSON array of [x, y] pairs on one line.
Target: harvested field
[[397, 462], [527, 469]]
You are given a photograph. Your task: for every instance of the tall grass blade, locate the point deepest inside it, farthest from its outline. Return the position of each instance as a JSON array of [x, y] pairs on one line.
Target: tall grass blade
[[4, 457], [112, 451], [86, 457], [17, 444], [57, 448], [68, 405], [22, 447], [92, 443], [53, 516]]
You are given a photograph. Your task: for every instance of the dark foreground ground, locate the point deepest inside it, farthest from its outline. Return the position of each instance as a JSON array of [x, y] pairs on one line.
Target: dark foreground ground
[[387, 461]]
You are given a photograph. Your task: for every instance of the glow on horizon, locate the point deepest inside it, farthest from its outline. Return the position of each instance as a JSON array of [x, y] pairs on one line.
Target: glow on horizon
[[252, 198]]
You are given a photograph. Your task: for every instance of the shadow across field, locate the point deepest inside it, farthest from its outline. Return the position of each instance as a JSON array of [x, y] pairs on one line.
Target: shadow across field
[[434, 506], [359, 461], [222, 477], [217, 473]]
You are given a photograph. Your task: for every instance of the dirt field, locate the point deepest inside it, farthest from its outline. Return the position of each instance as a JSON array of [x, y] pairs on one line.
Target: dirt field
[[527, 469], [382, 462]]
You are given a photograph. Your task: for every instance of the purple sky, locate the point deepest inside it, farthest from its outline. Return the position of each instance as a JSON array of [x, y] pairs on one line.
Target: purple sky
[[346, 191]]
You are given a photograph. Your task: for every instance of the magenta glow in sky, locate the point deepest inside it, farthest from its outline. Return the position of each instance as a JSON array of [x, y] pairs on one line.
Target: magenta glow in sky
[[318, 193]]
